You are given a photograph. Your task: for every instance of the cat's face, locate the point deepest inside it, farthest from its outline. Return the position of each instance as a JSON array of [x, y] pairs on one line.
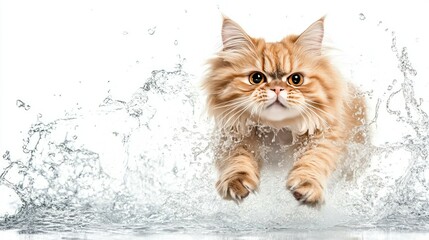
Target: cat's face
[[277, 84]]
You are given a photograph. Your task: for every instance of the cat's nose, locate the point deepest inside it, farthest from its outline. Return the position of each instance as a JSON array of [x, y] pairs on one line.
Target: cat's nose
[[277, 90]]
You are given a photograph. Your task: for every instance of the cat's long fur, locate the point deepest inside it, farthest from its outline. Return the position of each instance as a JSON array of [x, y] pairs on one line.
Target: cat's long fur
[[323, 111]]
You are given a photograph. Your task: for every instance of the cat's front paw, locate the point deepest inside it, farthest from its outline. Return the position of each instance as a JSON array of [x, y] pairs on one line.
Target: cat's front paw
[[305, 188], [237, 186]]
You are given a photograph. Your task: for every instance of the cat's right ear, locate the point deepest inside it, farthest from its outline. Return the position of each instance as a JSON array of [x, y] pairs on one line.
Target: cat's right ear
[[234, 38], [311, 39]]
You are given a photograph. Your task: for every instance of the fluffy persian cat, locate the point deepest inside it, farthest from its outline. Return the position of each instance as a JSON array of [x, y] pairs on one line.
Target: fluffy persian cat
[[290, 85]]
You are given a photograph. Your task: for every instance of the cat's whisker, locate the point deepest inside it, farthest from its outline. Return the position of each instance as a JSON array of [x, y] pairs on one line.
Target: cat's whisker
[[228, 111], [298, 87], [239, 112], [304, 114], [230, 103], [319, 109], [251, 105], [260, 108], [309, 106], [256, 110], [227, 118], [307, 116], [320, 104], [305, 106], [319, 117], [310, 111], [226, 114]]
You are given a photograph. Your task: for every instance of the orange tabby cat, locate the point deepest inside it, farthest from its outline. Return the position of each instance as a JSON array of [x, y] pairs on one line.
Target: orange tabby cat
[[287, 84]]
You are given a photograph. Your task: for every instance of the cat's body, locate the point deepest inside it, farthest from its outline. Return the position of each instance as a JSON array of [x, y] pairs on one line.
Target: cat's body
[[287, 84]]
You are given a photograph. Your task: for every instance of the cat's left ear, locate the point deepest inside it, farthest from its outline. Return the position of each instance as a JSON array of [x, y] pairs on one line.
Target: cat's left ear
[[311, 39], [234, 38]]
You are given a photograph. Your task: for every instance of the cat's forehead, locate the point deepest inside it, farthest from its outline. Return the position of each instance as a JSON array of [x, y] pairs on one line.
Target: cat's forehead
[[277, 59]]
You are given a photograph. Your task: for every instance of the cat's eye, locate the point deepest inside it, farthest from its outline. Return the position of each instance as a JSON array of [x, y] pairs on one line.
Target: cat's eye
[[256, 78], [295, 79]]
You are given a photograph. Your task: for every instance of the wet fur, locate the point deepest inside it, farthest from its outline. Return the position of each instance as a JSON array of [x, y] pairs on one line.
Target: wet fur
[[322, 112]]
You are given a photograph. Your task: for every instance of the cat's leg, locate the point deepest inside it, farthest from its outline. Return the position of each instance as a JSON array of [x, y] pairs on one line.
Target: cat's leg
[[238, 174], [308, 176]]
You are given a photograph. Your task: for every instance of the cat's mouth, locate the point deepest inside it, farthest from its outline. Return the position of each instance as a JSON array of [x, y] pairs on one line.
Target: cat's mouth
[[278, 110], [276, 103]]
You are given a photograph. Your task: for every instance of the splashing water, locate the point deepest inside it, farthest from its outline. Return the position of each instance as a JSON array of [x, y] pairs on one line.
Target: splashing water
[[145, 165]]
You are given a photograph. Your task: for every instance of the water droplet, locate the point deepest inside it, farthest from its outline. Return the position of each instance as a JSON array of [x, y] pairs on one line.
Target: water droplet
[[74, 137], [393, 47], [389, 87], [176, 42], [21, 104], [108, 100], [379, 23], [151, 31], [362, 16], [6, 155]]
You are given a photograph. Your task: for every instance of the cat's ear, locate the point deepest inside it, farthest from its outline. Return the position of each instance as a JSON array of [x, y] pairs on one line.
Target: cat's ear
[[234, 38], [311, 39]]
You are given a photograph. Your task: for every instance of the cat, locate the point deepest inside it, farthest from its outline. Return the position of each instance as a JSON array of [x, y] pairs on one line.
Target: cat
[[290, 84]]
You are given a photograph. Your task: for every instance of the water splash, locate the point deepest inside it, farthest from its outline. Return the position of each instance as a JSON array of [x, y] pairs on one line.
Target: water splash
[[394, 189], [165, 151]]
